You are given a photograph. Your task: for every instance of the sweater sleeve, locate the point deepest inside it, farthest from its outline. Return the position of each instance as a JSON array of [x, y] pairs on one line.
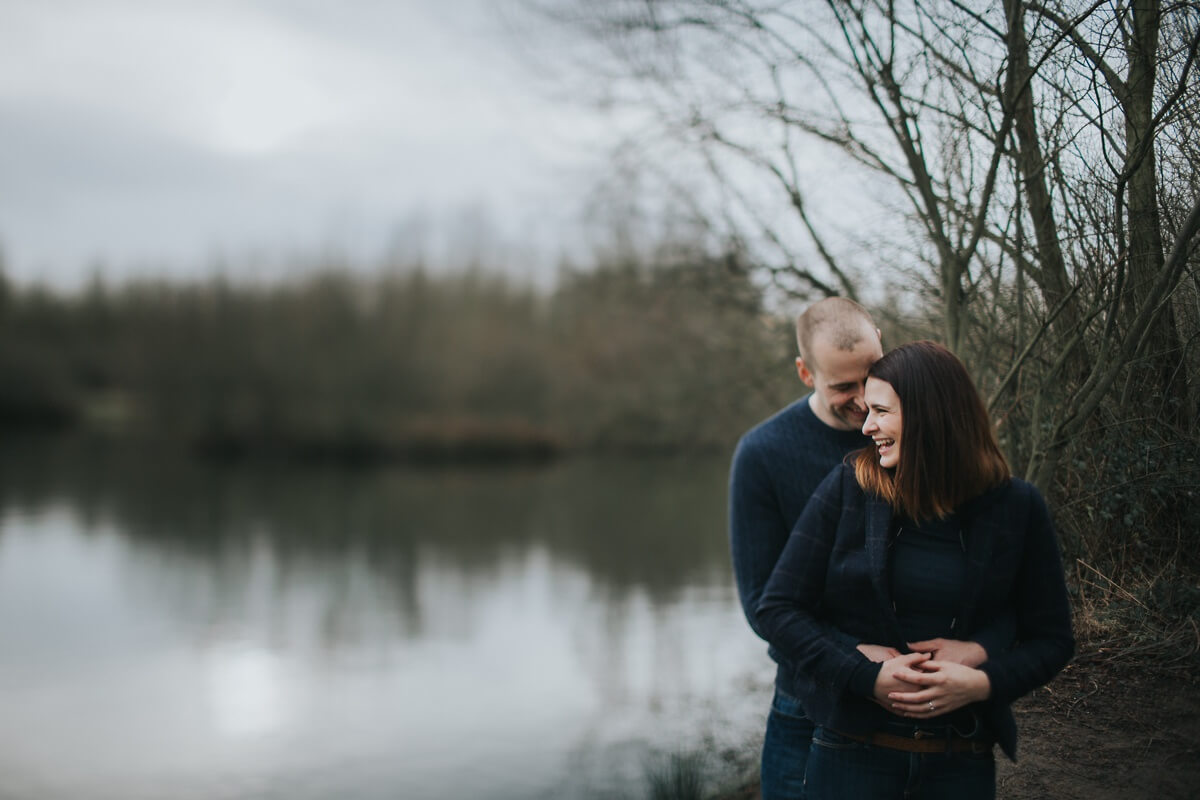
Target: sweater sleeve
[[757, 530], [787, 615], [1045, 641]]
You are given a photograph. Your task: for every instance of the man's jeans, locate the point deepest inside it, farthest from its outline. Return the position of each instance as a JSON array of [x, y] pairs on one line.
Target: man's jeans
[[785, 749], [843, 768]]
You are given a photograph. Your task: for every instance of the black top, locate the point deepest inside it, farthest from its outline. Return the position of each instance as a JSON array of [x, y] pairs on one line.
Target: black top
[[927, 566]]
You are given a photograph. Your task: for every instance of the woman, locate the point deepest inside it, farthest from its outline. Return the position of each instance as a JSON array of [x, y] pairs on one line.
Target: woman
[[923, 536]]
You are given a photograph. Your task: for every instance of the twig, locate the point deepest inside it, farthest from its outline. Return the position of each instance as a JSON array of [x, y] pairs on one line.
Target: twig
[[1080, 699], [1128, 595]]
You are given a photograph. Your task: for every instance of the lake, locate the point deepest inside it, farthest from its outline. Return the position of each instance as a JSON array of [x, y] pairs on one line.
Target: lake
[[174, 629]]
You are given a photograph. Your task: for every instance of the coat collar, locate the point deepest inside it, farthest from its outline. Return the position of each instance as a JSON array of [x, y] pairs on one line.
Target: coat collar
[[979, 549], [878, 525]]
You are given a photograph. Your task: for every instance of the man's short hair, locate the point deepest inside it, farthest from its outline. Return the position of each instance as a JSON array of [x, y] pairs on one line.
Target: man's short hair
[[840, 319]]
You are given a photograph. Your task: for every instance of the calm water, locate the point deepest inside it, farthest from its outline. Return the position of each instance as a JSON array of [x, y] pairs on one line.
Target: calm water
[[176, 630]]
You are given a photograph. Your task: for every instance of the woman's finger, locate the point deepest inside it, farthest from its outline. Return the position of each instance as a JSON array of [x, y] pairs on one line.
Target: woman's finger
[[917, 676], [927, 709]]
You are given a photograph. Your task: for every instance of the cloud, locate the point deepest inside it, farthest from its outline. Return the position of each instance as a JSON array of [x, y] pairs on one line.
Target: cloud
[[164, 130]]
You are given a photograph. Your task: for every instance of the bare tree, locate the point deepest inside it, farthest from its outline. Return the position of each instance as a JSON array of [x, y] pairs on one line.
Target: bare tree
[[1016, 155]]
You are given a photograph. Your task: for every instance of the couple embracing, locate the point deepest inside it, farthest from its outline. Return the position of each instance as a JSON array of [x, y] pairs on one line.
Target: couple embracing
[[909, 587]]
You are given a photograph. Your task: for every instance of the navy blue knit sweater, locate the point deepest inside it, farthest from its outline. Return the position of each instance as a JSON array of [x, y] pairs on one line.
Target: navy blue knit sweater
[[776, 467]]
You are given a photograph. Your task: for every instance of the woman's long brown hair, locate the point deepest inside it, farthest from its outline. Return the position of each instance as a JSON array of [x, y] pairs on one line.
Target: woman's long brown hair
[[948, 450]]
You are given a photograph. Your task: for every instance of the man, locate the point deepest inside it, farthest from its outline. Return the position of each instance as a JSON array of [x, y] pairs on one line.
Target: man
[[775, 469]]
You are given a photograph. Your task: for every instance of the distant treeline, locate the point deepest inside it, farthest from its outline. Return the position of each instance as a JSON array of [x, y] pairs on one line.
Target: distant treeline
[[407, 364]]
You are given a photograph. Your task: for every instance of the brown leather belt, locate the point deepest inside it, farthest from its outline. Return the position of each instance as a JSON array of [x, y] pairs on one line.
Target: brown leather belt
[[922, 742]]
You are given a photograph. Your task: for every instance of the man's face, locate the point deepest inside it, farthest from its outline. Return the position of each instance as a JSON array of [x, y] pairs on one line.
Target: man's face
[[838, 377]]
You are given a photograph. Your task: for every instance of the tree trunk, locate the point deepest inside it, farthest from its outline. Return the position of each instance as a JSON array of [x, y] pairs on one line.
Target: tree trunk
[[1051, 273], [1162, 350]]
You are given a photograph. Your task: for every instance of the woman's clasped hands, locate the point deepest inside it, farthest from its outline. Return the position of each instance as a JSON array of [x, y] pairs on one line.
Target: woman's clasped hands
[[931, 681]]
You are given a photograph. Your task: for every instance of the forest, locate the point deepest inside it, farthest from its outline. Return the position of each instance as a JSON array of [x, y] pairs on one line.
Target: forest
[[672, 355]]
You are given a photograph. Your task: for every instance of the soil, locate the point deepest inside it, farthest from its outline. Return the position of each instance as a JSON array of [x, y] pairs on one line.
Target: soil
[[1102, 731]]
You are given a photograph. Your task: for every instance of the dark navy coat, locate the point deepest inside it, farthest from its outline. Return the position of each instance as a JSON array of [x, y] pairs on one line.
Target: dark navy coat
[[833, 572]]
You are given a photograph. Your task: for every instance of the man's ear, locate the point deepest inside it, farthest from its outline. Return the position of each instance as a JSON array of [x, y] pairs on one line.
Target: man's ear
[[804, 372]]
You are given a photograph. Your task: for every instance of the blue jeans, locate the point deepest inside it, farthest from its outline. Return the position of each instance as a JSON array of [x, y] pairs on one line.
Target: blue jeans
[[785, 749], [840, 768]]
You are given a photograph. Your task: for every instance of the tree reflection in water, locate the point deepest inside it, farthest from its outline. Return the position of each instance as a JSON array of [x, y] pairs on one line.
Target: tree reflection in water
[[513, 631]]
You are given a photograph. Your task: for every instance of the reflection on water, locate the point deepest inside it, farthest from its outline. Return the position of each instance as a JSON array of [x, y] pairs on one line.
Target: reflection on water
[[179, 630]]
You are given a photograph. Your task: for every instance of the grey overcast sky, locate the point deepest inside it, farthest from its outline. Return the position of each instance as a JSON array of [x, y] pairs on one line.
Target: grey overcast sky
[[152, 137]]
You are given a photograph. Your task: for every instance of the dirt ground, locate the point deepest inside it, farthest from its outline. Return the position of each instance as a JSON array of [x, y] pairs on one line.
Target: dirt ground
[[1102, 731]]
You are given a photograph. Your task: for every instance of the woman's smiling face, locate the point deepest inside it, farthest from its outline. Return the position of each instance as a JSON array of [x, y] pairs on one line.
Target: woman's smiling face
[[884, 421]]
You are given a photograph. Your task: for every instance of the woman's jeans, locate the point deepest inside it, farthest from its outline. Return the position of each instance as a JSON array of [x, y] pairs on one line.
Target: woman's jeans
[[839, 768], [785, 749]]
